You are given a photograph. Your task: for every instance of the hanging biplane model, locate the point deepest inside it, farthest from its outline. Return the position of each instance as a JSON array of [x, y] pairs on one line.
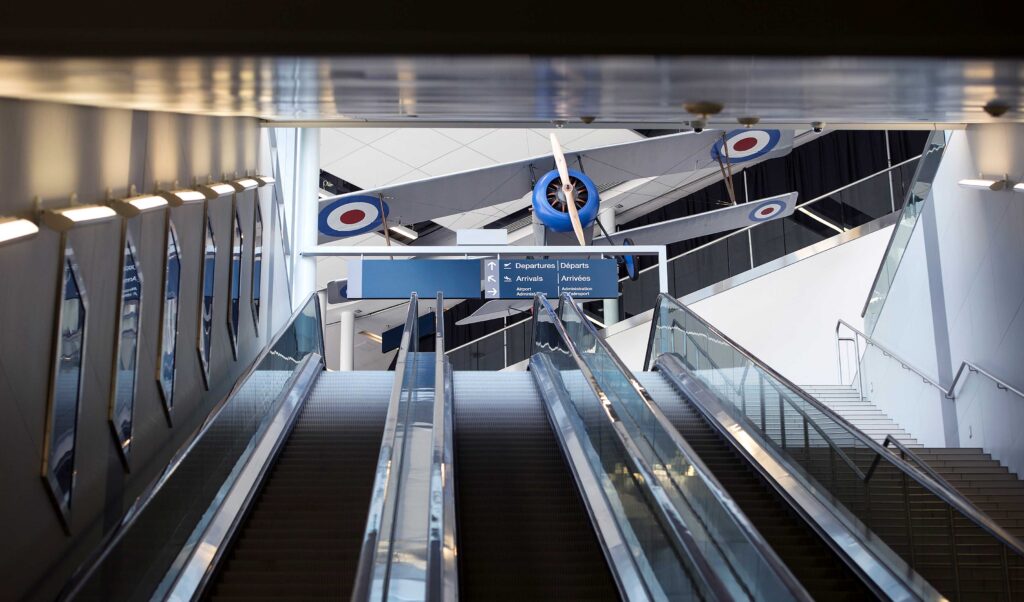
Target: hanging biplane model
[[565, 199]]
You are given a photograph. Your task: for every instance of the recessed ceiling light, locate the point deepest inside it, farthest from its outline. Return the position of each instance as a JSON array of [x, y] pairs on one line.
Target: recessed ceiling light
[[376, 338], [403, 231]]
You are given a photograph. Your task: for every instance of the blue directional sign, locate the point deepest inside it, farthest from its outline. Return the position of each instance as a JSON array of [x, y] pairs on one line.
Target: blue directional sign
[[524, 278], [398, 278]]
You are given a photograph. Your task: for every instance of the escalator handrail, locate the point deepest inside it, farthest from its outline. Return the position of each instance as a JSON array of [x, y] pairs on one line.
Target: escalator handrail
[[385, 471], [683, 542], [110, 541], [807, 419], [442, 570], [947, 494], [721, 496]]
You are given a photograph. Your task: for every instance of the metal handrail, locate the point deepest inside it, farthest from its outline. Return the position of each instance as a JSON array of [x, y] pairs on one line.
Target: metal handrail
[[385, 471], [725, 501], [684, 543], [800, 206], [903, 209], [950, 496], [807, 419], [949, 393], [442, 570], [89, 566]]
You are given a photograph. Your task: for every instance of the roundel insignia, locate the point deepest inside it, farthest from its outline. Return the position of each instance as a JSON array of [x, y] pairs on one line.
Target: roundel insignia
[[766, 211], [745, 145], [351, 216]]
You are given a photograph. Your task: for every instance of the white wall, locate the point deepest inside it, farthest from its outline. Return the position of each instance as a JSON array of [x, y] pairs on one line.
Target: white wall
[[967, 306], [787, 317]]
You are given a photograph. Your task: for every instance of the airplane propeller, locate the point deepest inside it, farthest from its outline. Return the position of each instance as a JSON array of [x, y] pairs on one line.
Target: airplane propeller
[[567, 189]]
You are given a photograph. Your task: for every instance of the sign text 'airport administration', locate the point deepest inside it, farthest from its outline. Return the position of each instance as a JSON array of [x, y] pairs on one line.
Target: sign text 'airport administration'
[[524, 278]]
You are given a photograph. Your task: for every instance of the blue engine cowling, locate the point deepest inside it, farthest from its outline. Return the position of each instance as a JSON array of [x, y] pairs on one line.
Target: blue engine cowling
[[549, 201]]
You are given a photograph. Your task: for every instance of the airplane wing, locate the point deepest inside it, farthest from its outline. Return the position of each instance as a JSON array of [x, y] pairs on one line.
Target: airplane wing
[[709, 222], [411, 202]]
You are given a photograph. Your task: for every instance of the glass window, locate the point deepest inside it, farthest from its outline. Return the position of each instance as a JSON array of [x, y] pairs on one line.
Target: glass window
[[257, 263], [206, 305], [169, 331], [126, 350], [236, 282], [65, 387]]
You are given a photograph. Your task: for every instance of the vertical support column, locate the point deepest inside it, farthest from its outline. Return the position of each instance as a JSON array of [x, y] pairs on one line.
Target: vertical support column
[[611, 306], [347, 342], [304, 211]]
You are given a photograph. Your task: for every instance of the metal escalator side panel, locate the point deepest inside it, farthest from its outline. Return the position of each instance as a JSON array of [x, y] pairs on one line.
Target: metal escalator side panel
[[233, 502], [881, 569]]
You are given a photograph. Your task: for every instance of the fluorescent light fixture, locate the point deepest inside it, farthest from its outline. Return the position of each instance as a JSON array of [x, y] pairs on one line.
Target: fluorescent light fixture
[[132, 206], [67, 218], [245, 184], [14, 228], [983, 184], [406, 232], [376, 338], [264, 180], [213, 191], [179, 197], [1018, 187]]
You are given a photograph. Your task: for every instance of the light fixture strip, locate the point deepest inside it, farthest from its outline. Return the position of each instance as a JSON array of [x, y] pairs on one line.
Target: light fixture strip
[[145, 203], [982, 184], [14, 228], [246, 183], [406, 232], [86, 213]]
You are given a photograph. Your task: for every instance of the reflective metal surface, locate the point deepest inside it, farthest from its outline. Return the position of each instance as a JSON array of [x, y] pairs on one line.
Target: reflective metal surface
[[235, 298], [126, 349], [209, 269], [257, 262], [169, 318], [619, 91], [65, 385]]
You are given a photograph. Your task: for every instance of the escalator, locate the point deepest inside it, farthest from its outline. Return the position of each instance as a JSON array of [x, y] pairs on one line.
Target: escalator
[[823, 574], [788, 460], [523, 529], [302, 538]]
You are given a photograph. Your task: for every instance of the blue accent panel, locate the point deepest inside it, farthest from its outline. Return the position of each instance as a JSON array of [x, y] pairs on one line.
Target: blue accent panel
[[392, 338], [556, 220], [398, 278]]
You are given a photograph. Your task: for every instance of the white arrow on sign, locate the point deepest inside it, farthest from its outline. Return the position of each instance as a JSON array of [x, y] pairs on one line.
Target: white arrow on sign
[[491, 278], [491, 265], [493, 291]]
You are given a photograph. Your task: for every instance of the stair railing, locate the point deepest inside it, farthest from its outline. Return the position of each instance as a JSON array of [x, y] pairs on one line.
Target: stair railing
[[947, 392]]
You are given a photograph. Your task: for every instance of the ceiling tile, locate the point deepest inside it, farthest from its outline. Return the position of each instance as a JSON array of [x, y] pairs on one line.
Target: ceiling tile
[[368, 168], [336, 144], [416, 146], [461, 159]]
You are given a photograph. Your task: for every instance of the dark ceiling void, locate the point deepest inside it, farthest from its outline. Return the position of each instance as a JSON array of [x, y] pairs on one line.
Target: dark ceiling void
[[738, 27]]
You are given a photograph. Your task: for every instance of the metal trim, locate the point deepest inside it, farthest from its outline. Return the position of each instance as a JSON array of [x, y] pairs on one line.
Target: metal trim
[[236, 229], [204, 362], [170, 234]]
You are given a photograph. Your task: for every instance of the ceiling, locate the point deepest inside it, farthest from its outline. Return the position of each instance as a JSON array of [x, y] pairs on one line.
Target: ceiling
[[525, 91]]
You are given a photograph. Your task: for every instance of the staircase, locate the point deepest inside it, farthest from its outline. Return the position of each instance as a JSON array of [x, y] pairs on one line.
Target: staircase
[[861, 413]]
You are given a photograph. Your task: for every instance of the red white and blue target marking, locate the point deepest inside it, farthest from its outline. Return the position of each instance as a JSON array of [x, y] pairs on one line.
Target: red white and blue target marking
[[766, 211], [745, 145], [352, 216]]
